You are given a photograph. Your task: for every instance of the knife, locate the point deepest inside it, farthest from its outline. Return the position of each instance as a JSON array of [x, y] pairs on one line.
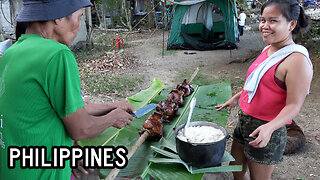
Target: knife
[[144, 110]]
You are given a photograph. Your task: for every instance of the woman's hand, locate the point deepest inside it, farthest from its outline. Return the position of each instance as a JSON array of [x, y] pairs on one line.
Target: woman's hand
[[230, 103], [264, 133]]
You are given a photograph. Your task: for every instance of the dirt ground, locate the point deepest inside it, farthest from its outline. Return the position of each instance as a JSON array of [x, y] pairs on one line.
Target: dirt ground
[[219, 63]]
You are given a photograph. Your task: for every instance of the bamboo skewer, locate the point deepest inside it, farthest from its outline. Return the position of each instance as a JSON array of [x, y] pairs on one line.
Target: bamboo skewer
[[193, 75], [114, 172]]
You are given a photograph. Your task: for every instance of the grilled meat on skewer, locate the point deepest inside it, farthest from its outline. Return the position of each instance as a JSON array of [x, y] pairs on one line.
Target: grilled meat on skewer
[[168, 110], [154, 125], [176, 96], [186, 88]]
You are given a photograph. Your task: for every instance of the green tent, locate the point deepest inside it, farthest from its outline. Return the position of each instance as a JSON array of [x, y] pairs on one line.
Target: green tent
[[204, 25]]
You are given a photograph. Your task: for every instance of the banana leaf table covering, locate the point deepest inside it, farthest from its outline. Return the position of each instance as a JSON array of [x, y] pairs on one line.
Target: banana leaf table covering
[[140, 164]]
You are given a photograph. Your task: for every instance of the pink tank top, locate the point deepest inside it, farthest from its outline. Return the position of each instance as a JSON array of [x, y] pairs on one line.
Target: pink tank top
[[269, 99]]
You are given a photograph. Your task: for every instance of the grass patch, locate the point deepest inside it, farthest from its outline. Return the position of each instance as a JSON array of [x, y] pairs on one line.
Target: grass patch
[[168, 53], [96, 82], [238, 82], [200, 79], [89, 53], [203, 79], [102, 41], [105, 84]]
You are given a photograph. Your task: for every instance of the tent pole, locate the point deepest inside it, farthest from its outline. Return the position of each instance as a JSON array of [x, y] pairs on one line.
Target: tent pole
[[163, 27], [162, 42], [169, 30], [168, 19], [229, 20]]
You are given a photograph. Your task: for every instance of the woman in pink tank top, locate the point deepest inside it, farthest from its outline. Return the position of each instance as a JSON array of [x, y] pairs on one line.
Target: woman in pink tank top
[[260, 135]]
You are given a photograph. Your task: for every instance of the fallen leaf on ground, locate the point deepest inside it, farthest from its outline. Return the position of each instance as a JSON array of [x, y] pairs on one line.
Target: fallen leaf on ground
[[316, 135]]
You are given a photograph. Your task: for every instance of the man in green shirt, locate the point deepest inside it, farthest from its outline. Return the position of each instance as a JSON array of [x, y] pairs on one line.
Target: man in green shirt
[[40, 99]]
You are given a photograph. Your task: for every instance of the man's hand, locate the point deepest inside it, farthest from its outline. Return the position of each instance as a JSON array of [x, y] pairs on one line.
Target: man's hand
[[120, 118], [80, 169], [124, 105], [103, 109]]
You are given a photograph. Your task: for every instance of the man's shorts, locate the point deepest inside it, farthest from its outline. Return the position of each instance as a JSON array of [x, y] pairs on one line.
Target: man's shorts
[[269, 155]]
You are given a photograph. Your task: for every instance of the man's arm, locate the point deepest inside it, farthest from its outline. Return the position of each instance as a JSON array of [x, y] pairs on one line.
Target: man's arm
[[81, 125], [103, 109]]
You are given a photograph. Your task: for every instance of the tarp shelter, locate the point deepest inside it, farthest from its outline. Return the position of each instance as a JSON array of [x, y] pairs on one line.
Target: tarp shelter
[[204, 25]]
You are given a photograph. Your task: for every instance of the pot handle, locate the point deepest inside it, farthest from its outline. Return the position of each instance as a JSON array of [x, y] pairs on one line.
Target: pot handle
[[228, 136]]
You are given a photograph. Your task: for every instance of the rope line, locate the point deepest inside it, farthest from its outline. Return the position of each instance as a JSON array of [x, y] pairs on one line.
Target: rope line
[[156, 29]]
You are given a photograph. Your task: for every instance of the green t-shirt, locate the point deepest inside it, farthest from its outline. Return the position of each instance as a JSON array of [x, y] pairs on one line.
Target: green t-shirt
[[39, 85]]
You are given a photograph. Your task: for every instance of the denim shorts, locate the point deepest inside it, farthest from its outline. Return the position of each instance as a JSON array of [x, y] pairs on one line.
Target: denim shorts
[[269, 155]]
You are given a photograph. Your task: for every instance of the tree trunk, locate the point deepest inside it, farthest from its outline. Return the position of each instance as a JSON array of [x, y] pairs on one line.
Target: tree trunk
[[88, 25], [150, 10], [12, 11], [104, 22], [101, 18], [127, 13]]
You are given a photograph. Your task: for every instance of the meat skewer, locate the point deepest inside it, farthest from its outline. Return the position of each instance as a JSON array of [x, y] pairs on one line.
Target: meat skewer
[[168, 110], [186, 88], [176, 96], [153, 125]]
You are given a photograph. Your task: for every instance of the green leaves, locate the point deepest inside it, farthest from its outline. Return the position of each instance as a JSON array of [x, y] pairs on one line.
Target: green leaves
[[129, 135], [172, 157], [139, 165], [144, 97], [207, 98]]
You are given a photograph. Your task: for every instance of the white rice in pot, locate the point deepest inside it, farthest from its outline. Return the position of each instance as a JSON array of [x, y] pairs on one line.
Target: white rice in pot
[[200, 134]]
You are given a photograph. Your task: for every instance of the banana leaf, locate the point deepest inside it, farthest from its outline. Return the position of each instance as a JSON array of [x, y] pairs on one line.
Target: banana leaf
[[112, 136], [145, 97], [207, 97], [139, 161], [171, 156], [129, 135]]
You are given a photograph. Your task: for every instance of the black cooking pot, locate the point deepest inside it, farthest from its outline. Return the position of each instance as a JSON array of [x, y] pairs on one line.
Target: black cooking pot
[[201, 155]]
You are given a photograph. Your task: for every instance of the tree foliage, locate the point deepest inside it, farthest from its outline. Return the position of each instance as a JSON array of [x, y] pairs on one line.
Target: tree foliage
[[118, 10]]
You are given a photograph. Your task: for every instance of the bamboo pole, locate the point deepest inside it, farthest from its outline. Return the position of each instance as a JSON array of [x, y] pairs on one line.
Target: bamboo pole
[[114, 172], [193, 75]]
